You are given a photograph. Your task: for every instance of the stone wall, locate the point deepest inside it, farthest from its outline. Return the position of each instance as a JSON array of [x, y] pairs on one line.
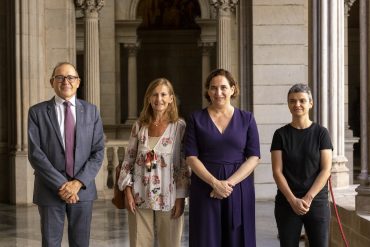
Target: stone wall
[[280, 57], [356, 227], [108, 87], [60, 38]]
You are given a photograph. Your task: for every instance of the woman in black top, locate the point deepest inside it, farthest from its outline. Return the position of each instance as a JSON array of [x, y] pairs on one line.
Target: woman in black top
[[301, 155]]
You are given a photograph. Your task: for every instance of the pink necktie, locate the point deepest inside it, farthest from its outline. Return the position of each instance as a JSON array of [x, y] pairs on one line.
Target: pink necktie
[[69, 132]]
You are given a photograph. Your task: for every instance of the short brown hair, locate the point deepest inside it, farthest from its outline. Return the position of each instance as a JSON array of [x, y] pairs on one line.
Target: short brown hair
[[228, 76]]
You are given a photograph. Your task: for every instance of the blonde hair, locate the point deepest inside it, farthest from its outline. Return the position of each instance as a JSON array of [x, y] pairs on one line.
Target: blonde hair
[[147, 114]]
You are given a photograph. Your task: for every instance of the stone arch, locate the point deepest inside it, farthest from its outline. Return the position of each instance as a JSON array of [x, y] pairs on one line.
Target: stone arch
[[133, 9], [205, 9]]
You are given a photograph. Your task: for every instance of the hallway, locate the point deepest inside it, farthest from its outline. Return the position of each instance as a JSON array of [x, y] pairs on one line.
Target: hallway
[[19, 226]]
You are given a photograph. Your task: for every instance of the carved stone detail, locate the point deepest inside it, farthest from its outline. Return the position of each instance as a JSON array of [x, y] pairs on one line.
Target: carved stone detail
[[207, 47], [90, 6], [347, 6], [224, 4], [132, 48]]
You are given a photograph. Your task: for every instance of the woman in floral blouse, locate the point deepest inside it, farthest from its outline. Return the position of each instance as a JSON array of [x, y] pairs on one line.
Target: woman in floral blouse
[[154, 176]]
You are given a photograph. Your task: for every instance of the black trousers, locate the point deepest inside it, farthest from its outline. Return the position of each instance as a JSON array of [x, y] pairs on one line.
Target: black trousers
[[316, 224]]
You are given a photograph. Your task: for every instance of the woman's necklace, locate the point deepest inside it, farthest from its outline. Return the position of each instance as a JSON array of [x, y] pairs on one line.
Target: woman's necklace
[[157, 127], [157, 123]]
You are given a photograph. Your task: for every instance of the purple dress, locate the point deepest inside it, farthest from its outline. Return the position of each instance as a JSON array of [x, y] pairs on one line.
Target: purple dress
[[231, 221]]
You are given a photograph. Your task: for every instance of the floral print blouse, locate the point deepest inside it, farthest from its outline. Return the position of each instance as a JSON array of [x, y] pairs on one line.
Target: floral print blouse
[[157, 176]]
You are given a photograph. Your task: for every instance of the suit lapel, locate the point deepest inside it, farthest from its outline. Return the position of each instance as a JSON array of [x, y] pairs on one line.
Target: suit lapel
[[53, 120], [80, 121]]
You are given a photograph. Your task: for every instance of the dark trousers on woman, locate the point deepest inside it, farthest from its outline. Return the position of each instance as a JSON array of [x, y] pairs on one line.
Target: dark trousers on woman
[[316, 224]]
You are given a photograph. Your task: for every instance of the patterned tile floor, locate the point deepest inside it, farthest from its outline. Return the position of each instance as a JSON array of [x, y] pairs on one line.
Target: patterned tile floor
[[20, 226]]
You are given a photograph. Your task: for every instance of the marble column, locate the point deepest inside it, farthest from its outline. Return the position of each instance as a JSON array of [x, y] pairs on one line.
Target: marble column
[[206, 43], [207, 48], [91, 81], [313, 68], [363, 190], [132, 82], [331, 31], [91, 45], [323, 58], [363, 88], [224, 10], [350, 140], [126, 34], [27, 88]]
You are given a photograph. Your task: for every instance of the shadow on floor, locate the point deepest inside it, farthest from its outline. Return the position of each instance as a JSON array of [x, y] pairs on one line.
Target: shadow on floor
[[20, 226]]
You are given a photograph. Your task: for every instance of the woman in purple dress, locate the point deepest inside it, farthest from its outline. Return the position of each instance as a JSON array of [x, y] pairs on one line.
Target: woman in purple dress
[[222, 149]]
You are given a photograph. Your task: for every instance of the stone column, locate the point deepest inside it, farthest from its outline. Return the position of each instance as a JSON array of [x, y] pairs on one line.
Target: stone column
[[206, 42], [126, 34], [323, 57], [363, 88], [206, 66], [340, 172], [350, 140], [363, 190], [91, 65], [224, 10], [331, 78], [26, 85], [132, 82], [313, 68], [91, 62]]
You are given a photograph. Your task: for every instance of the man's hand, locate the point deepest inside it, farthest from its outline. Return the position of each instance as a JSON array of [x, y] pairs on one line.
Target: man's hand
[[68, 191]]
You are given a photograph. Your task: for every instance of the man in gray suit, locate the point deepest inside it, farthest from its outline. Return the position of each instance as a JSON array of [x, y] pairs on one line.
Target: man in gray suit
[[66, 149]]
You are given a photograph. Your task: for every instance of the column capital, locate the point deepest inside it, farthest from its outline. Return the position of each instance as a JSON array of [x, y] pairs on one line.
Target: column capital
[[347, 6], [205, 44], [90, 7], [132, 48], [206, 47], [225, 5]]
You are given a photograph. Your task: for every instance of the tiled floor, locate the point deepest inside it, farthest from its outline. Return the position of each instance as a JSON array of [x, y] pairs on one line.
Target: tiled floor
[[19, 226]]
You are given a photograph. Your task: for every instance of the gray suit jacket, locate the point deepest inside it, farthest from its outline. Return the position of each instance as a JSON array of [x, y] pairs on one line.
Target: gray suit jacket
[[46, 151]]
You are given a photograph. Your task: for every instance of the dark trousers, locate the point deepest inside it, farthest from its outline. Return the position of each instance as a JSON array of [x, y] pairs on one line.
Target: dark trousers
[[316, 224], [79, 221]]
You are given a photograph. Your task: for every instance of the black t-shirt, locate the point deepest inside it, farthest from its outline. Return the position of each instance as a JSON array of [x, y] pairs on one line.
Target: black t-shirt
[[301, 156]]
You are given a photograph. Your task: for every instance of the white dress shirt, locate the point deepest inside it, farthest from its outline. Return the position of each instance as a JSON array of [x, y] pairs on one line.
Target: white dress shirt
[[60, 111]]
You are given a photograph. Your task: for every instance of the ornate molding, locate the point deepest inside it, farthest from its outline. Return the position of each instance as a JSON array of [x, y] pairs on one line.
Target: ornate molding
[[90, 6], [206, 47], [132, 48], [347, 6], [224, 4]]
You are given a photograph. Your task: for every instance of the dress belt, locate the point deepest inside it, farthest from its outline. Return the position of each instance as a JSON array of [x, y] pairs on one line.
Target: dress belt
[[236, 202]]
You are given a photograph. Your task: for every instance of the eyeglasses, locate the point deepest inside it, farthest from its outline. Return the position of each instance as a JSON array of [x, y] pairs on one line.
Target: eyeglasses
[[61, 78]]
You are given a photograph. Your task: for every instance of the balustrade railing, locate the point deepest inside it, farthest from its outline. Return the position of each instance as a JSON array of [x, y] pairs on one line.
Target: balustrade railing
[[113, 155]]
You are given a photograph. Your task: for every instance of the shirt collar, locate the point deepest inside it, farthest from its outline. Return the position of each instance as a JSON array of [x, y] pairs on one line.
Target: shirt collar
[[58, 100]]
